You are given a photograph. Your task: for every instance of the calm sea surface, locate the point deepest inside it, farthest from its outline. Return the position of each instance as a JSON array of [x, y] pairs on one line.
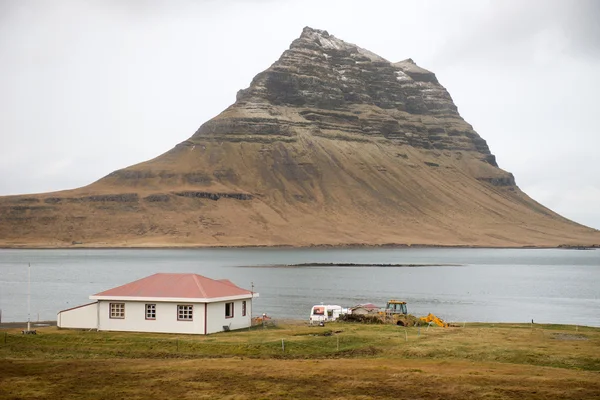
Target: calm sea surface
[[492, 285]]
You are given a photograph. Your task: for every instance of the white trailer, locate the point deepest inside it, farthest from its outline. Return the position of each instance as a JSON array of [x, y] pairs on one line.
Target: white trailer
[[326, 313]]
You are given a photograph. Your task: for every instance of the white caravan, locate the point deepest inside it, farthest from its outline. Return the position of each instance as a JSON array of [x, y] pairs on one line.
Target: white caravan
[[326, 313]]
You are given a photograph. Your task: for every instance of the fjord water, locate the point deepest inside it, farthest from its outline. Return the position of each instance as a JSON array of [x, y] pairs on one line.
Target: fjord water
[[486, 285]]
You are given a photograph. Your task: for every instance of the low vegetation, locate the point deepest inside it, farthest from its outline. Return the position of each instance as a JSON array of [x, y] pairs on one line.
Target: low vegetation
[[292, 360]]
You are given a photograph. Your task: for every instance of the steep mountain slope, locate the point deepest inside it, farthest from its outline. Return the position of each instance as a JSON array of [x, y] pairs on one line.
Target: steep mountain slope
[[330, 145]]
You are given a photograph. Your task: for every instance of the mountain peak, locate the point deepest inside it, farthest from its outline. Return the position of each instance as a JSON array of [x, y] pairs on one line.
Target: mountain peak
[[311, 32], [321, 38], [332, 144], [374, 99]]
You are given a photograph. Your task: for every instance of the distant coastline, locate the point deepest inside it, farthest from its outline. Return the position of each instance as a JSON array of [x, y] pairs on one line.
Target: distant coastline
[[101, 246], [331, 264]]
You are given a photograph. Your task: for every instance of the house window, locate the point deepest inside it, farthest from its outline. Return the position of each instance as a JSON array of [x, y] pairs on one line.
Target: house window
[[117, 310], [150, 311], [185, 312], [229, 310], [244, 308]]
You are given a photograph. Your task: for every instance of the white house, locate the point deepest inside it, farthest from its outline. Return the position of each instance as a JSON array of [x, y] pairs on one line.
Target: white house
[[167, 303]]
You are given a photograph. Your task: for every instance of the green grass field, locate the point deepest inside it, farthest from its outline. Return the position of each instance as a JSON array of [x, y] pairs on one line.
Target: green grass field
[[292, 360]]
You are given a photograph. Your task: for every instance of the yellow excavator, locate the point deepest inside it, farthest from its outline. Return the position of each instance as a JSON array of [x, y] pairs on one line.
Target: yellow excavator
[[394, 307], [396, 312], [432, 318]]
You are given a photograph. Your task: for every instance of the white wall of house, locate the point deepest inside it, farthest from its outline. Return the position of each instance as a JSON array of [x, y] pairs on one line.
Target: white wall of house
[[217, 319], [97, 316], [82, 317], [166, 318]]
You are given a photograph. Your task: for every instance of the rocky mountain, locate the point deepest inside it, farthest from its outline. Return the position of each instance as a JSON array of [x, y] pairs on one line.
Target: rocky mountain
[[331, 145]]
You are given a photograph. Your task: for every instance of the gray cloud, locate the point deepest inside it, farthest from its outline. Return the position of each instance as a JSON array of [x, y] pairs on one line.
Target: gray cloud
[[582, 26], [521, 28], [87, 87]]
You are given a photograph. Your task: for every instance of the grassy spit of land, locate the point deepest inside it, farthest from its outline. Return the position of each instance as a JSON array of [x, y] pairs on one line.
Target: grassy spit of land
[[292, 360]]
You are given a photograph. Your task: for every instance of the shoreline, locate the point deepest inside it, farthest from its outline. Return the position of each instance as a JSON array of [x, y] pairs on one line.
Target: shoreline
[[21, 324], [334, 265], [293, 321], [296, 247]]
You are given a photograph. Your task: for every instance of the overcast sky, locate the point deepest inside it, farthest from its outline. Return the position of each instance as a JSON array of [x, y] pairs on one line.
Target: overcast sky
[[88, 87]]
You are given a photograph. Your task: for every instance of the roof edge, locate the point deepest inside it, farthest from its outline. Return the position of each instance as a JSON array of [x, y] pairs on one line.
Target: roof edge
[[73, 308], [176, 299], [198, 285]]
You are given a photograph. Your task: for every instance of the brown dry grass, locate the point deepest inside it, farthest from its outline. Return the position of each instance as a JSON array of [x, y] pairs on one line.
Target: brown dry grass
[[479, 362], [299, 379]]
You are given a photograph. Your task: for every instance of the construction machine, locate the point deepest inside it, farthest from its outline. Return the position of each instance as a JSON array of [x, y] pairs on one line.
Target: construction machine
[[433, 319], [396, 312], [396, 307]]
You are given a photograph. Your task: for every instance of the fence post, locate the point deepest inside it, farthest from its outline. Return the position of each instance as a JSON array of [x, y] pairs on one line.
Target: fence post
[[405, 335], [282, 346], [338, 343]]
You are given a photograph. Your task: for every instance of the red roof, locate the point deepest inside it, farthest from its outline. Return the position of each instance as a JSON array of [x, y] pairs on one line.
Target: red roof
[[177, 286]]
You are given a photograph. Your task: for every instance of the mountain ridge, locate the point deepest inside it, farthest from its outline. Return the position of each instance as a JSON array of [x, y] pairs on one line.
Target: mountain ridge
[[330, 145]]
